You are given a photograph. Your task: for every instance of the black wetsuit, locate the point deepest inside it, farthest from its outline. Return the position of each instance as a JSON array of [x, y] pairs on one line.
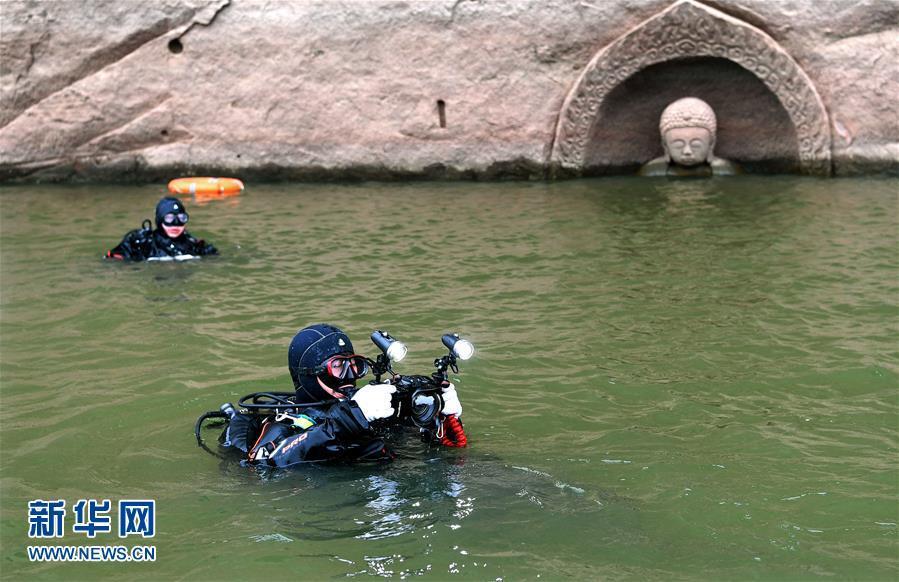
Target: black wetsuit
[[144, 244], [334, 431]]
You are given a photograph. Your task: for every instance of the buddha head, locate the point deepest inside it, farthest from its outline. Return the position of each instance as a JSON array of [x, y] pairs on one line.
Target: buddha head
[[688, 132]]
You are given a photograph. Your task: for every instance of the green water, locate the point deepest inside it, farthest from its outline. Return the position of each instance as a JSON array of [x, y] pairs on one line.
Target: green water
[[690, 380]]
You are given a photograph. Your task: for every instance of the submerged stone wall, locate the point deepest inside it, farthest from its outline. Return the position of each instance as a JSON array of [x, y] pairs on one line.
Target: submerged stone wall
[[291, 89]]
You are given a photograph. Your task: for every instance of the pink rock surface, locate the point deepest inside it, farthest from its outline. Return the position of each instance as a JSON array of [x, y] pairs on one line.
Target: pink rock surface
[[102, 89]]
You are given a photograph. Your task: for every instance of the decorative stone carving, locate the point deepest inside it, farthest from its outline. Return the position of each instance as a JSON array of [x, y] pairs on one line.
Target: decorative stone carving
[[688, 129], [690, 29]]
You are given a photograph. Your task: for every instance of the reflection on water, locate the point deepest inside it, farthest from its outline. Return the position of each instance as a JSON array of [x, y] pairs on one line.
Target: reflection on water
[[674, 379]]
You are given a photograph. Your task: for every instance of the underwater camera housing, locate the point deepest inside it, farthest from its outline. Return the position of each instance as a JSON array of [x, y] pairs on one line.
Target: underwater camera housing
[[419, 398]]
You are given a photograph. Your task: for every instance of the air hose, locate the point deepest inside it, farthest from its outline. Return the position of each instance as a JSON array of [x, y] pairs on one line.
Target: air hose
[[203, 418]]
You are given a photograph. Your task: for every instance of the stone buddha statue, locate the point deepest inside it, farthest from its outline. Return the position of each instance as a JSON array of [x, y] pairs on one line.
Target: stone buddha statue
[[688, 129]]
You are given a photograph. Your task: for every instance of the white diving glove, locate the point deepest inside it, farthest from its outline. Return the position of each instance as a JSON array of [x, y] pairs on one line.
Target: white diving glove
[[374, 400], [451, 404]]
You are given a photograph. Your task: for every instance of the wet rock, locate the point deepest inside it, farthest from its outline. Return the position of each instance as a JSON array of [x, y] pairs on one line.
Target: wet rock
[[324, 90]]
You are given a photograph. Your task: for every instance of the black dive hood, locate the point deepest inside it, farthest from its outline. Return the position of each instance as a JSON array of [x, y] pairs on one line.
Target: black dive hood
[[310, 347], [167, 205]]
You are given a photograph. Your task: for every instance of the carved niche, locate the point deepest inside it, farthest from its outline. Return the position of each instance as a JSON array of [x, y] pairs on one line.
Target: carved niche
[[684, 30]]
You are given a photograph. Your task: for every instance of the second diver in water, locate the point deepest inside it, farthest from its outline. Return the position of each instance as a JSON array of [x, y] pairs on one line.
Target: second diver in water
[[332, 420], [169, 241]]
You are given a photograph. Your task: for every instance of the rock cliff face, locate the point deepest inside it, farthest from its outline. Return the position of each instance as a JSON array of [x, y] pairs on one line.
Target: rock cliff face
[[111, 90]]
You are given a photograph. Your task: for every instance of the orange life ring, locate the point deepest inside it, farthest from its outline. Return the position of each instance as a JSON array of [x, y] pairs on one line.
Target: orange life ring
[[206, 186]]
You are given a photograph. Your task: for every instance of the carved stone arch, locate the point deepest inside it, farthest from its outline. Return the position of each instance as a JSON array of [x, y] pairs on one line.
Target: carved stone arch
[[684, 30]]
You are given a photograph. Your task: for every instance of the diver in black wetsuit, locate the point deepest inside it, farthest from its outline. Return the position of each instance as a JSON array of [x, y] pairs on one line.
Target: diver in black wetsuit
[[324, 370], [168, 242]]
